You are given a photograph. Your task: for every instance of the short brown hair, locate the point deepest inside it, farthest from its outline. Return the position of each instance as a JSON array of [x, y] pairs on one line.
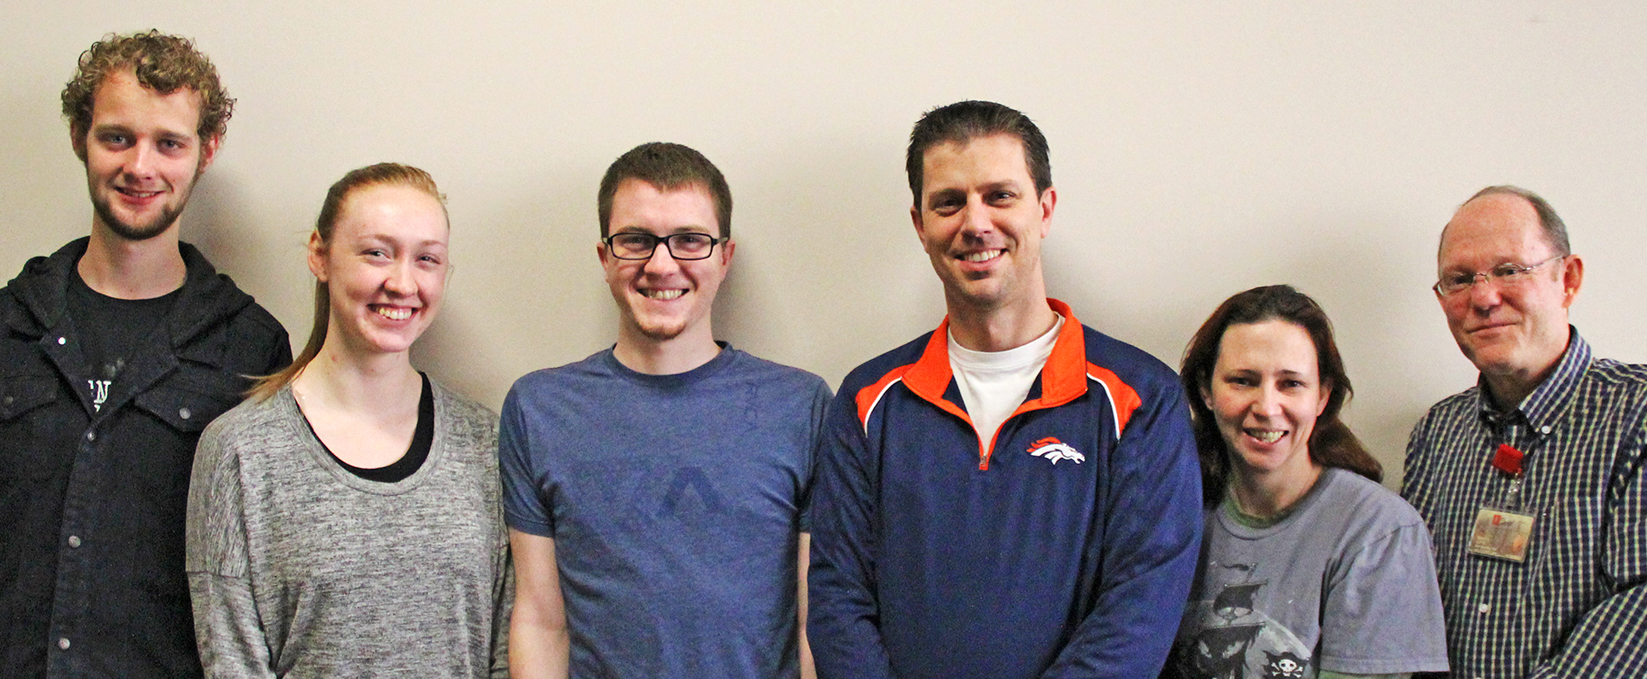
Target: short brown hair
[[668, 167], [163, 63], [964, 121]]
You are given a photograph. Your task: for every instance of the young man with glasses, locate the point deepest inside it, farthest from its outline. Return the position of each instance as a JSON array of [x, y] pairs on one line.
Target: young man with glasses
[[656, 492], [1531, 481], [1013, 495], [116, 351]]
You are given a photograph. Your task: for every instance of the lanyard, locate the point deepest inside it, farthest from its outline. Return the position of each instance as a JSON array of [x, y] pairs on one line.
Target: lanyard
[[1508, 460]]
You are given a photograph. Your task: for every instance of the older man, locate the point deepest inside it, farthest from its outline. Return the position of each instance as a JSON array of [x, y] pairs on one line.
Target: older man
[[1531, 481], [117, 350], [1012, 495]]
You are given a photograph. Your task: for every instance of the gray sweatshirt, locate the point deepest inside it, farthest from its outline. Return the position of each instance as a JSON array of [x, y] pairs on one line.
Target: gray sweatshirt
[[298, 568]]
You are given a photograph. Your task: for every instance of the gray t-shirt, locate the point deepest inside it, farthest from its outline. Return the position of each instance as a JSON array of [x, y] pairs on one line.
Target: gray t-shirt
[[298, 568], [675, 503], [1345, 583]]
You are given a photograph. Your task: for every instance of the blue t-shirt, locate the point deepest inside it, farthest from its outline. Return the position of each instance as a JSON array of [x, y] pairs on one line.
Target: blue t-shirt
[[675, 503]]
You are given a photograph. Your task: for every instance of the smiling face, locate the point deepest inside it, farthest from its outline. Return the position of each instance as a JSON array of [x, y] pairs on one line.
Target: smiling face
[[1515, 334], [1265, 394], [662, 298], [142, 155], [981, 223], [385, 268]]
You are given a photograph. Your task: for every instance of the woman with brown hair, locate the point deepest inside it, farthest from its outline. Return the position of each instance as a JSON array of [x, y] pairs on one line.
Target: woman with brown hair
[[1309, 568], [345, 520]]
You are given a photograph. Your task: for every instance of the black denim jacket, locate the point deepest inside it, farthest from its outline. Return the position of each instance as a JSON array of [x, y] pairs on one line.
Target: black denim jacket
[[92, 502]]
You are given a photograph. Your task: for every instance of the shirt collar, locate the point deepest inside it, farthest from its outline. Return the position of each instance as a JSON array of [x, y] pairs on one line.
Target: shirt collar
[[1541, 407], [1063, 378]]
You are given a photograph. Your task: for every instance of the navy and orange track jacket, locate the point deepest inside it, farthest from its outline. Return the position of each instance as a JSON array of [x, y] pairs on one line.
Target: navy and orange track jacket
[[1066, 548]]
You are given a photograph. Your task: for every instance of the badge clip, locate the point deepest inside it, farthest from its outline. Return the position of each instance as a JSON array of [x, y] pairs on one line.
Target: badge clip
[[1508, 460]]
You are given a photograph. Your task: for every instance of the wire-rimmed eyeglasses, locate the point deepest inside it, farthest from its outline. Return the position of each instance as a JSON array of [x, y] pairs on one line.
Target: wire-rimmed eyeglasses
[[1504, 275]]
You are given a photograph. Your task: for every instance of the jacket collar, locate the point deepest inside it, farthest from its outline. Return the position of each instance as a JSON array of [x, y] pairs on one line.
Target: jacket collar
[[1063, 379], [205, 298]]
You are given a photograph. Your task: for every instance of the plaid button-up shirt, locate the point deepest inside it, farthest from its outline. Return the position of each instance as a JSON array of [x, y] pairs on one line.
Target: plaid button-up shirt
[[1577, 607]]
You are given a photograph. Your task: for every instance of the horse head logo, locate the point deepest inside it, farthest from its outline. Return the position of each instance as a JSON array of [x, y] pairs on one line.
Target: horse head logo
[[1054, 450]]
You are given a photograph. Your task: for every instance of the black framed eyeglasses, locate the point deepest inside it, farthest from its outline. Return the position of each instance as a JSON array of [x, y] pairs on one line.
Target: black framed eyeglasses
[[640, 245], [1505, 275]]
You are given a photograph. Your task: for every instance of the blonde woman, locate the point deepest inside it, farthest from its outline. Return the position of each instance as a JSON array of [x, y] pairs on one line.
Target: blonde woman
[[344, 521]]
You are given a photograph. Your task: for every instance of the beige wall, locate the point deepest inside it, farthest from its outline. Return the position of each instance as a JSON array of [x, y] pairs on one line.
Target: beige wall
[[1199, 148]]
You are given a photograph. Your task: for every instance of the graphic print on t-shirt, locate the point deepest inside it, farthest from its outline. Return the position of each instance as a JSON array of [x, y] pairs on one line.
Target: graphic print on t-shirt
[[111, 332], [1234, 639], [99, 392], [104, 371], [1284, 666], [691, 481]]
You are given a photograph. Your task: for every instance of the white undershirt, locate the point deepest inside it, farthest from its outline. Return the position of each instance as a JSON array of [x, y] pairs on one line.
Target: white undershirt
[[994, 383]]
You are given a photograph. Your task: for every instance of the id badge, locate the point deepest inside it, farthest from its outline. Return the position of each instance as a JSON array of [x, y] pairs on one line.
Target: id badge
[[1501, 534], [1501, 530]]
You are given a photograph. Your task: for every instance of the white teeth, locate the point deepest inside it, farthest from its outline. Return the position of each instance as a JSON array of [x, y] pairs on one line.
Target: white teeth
[[394, 314], [663, 294], [1266, 435], [982, 256]]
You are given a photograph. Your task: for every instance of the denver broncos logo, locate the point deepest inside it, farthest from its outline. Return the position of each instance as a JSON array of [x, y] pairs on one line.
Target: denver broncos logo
[[1054, 450]]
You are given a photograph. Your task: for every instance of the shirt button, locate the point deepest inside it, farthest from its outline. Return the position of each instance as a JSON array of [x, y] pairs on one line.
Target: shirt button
[[1544, 429], [1484, 608], [63, 643], [91, 436], [74, 541], [184, 413], [62, 340]]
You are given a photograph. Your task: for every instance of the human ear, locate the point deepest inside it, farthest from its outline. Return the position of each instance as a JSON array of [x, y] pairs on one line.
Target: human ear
[[77, 139], [208, 151], [1572, 278], [317, 256], [726, 251], [1048, 200]]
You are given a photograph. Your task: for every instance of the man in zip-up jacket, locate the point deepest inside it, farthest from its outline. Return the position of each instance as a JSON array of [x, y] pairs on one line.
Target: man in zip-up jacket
[[1013, 495], [115, 352]]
